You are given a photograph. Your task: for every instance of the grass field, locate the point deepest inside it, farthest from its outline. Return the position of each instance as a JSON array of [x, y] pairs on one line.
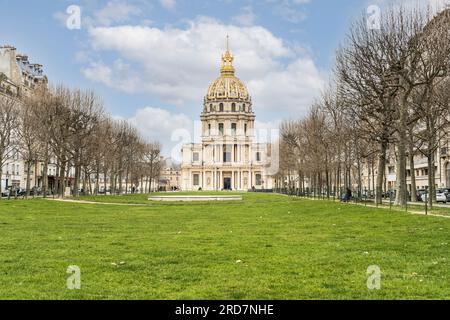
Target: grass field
[[266, 247]]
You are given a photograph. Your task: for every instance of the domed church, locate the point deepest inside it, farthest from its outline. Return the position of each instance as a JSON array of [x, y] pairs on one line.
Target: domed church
[[228, 157]]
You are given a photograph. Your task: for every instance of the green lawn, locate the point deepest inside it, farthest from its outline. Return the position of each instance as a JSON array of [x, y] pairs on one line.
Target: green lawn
[[266, 247]]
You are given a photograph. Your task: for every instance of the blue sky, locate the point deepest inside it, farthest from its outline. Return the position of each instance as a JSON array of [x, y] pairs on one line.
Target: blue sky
[[152, 61]]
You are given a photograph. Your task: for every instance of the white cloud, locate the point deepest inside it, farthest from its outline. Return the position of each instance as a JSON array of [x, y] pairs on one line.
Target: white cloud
[[168, 4], [290, 10], [246, 18], [435, 6], [119, 75], [176, 65], [115, 12], [156, 124]]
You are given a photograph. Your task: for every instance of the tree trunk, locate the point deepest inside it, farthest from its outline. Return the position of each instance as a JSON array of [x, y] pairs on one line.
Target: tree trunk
[[45, 176], [62, 176], [77, 178], [381, 172], [412, 168], [27, 193], [401, 175], [1, 174]]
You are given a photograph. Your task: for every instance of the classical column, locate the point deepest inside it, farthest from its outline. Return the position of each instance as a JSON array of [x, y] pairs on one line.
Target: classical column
[[232, 179], [239, 152], [240, 180], [203, 179]]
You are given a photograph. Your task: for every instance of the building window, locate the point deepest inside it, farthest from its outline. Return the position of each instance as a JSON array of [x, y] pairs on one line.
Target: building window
[[196, 156], [209, 129], [221, 128], [211, 108], [258, 156], [258, 179], [226, 153], [221, 107], [233, 129], [245, 129], [233, 107], [196, 180]]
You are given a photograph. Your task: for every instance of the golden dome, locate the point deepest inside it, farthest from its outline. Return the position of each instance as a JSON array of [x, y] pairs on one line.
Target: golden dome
[[227, 86]]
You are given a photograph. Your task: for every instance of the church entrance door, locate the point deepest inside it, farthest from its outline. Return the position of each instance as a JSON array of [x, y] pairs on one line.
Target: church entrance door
[[227, 183]]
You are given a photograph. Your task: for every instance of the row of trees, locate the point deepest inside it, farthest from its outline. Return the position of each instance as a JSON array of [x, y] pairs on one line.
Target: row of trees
[[69, 130], [389, 95]]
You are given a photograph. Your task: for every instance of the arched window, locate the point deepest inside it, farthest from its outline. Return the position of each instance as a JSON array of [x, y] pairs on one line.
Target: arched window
[[243, 107], [233, 107], [211, 108], [221, 107]]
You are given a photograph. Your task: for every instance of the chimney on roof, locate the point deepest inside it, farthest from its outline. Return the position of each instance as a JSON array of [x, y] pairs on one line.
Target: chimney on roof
[[22, 57], [7, 46]]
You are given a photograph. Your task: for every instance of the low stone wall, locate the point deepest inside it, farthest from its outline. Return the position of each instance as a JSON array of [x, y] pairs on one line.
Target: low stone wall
[[195, 198]]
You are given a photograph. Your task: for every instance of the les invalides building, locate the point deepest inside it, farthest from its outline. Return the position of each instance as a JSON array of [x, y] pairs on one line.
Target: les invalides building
[[228, 157]]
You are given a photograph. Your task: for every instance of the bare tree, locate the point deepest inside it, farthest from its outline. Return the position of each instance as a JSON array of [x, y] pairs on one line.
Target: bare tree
[[28, 139], [8, 123]]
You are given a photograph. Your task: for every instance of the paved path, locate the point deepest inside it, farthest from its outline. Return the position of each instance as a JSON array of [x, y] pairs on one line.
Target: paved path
[[100, 203]]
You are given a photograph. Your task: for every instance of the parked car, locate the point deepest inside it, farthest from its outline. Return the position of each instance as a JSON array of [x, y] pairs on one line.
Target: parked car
[[445, 191], [440, 198], [421, 194]]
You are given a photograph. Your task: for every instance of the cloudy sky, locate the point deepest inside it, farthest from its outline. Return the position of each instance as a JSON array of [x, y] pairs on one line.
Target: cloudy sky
[[152, 60]]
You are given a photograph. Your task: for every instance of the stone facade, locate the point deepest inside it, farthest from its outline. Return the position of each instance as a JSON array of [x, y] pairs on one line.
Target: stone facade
[[228, 157], [18, 78]]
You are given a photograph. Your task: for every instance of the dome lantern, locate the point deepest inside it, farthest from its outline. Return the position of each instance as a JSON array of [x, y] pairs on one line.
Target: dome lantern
[[227, 62], [227, 87]]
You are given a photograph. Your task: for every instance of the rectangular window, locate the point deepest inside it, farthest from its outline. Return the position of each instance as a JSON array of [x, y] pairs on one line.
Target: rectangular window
[[226, 153], [209, 129], [258, 180], [196, 157], [196, 180], [233, 129], [258, 156], [221, 128], [245, 128]]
